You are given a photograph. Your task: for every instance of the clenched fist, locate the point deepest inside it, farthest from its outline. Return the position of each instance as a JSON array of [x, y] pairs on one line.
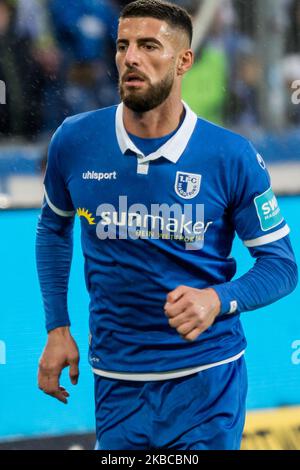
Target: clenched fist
[[192, 311]]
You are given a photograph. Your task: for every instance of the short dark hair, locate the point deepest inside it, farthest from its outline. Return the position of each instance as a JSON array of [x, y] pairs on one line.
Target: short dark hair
[[174, 15]]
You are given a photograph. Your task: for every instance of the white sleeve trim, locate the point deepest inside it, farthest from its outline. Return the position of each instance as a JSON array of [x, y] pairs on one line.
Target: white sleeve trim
[[272, 237], [56, 210]]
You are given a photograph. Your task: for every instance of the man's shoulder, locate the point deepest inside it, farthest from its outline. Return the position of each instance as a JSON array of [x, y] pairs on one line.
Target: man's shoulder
[[96, 120], [220, 137], [232, 149]]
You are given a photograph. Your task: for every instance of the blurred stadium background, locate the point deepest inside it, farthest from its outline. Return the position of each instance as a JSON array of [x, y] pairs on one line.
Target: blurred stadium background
[[57, 59]]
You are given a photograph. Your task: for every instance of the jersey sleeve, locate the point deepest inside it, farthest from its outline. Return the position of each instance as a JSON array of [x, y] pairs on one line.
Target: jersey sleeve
[[255, 211], [57, 195], [273, 276]]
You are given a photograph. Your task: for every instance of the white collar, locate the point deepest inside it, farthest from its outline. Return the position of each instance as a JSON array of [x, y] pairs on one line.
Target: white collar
[[172, 149]]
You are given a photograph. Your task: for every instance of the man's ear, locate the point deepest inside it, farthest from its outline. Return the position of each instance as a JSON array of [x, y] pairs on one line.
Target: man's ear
[[185, 62]]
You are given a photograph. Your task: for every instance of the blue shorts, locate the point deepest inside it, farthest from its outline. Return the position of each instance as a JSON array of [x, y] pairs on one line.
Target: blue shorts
[[202, 411]]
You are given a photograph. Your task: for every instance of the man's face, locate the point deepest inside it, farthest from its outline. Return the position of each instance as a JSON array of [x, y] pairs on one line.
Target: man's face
[[147, 51]]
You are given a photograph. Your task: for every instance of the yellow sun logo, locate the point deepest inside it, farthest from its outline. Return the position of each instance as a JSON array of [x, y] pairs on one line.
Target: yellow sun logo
[[81, 212]]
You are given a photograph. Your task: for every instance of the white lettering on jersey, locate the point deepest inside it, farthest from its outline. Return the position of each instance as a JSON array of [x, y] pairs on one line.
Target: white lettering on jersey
[[94, 175]]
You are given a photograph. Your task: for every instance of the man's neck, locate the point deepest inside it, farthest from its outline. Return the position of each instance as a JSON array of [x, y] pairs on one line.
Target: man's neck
[[158, 122]]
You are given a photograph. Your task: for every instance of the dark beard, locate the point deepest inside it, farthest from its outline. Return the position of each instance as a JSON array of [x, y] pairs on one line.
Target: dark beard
[[151, 99]]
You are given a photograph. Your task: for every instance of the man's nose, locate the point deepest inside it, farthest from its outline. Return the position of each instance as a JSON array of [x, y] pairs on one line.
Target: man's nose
[[132, 57]]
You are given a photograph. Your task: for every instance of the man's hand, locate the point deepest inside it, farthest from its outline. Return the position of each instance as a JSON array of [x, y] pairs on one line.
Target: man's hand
[[191, 311], [60, 351]]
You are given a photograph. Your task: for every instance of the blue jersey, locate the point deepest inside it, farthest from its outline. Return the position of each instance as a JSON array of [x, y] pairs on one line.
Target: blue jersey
[[153, 222]]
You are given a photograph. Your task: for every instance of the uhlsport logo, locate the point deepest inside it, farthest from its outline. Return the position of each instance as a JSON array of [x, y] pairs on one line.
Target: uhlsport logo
[[187, 185], [261, 161], [99, 176]]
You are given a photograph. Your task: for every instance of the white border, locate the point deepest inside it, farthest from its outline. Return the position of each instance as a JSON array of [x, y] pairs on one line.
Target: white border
[[56, 210], [163, 375], [272, 237], [172, 149]]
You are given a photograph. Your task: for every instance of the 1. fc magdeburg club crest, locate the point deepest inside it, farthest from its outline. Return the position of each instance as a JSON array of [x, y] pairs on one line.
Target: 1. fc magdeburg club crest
[[187, 185]]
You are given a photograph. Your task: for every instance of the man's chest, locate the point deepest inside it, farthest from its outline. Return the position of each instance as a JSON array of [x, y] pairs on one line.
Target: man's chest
[[176, 200]]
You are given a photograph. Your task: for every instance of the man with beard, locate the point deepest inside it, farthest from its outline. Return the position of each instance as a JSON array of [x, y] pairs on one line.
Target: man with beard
[[160, 194]]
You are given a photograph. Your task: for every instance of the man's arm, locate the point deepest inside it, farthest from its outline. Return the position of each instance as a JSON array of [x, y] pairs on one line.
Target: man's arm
[[274, 275], [60, 351], [54, 247], [254, 212]]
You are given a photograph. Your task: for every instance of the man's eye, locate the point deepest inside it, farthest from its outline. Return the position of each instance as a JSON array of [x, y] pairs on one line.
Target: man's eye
[[121, 47], [150, 47]]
